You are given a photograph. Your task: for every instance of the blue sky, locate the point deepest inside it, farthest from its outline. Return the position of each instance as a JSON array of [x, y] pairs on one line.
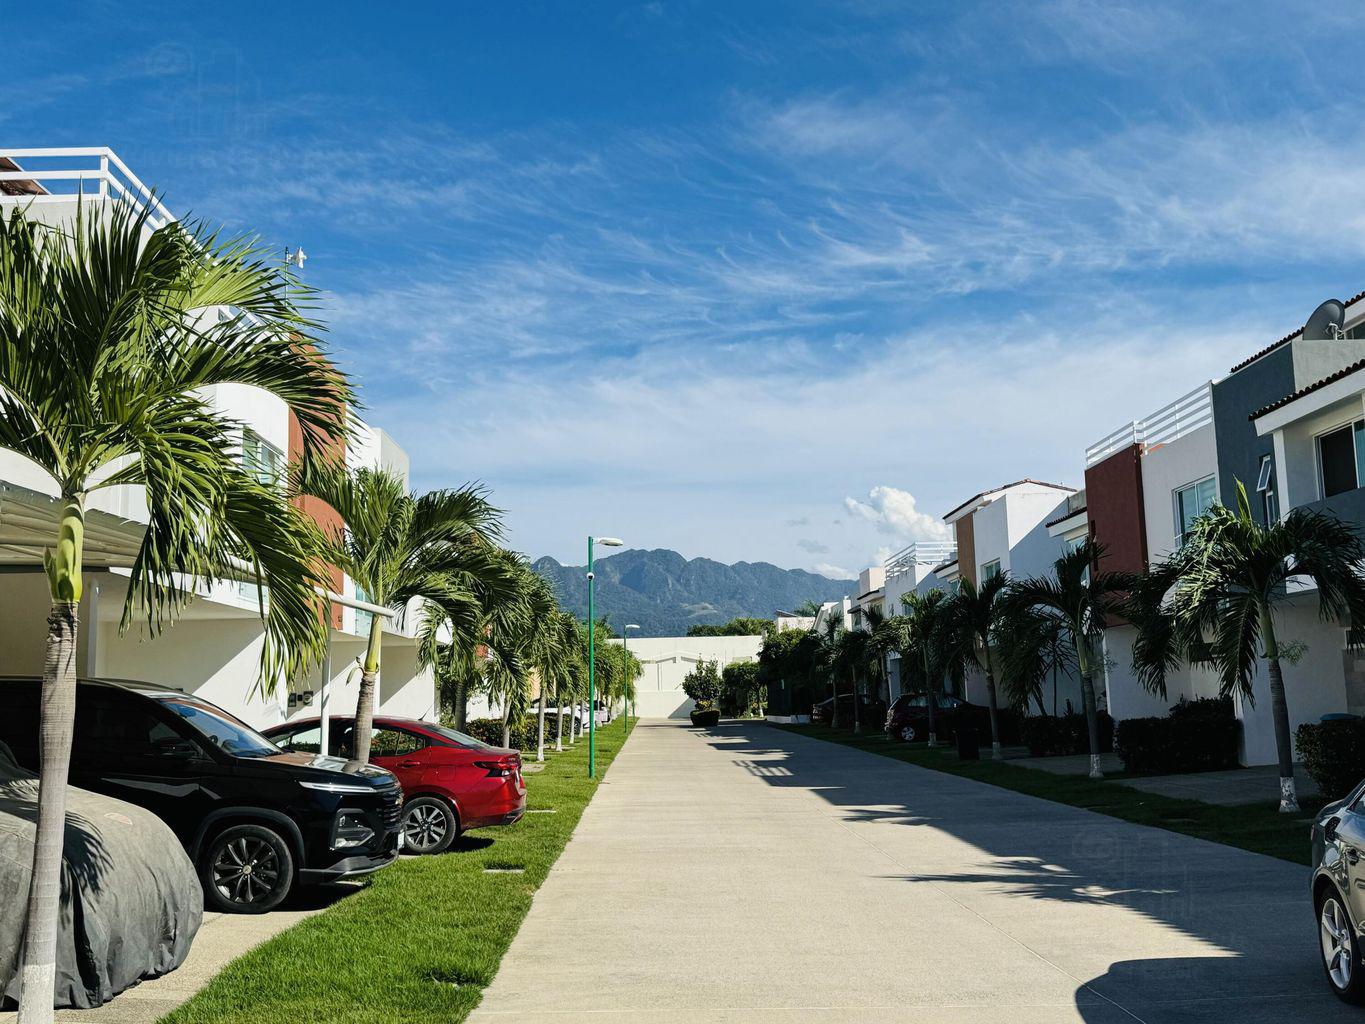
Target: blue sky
[[764, 281]]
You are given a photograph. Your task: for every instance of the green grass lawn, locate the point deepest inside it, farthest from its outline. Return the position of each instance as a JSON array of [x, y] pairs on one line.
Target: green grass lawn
[[1260, 828], [425, 936]]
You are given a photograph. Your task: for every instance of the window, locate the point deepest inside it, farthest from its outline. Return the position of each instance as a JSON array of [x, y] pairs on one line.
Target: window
[[990, 569], [1340, 453], [307, 740], [1265, 486], [228, 734], [394, 743], [363, 619], [261, 459], [110, 726], [1190, 503]]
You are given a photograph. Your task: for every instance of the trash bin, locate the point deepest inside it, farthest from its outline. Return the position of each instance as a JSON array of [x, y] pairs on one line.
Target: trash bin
[[968, 747]]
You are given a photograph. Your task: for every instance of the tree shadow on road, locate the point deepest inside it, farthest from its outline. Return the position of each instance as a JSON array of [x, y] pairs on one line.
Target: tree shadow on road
[[1243, 920]]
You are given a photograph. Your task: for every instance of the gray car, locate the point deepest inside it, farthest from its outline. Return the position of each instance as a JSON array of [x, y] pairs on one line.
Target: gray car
[[1339, 892]]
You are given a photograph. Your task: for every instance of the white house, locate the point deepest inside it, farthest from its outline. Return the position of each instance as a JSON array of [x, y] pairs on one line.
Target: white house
[[213, 650], [666, 660]]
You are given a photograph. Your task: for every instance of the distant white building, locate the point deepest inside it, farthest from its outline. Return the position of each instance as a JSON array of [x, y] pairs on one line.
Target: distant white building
[[666, 660]]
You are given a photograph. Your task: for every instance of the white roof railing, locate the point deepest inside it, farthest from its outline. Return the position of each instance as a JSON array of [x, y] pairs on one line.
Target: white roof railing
[[921, 552], [93, 173], [1185, 415]]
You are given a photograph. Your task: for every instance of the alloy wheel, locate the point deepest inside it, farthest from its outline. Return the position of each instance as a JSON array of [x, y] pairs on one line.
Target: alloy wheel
[[1335, 932], [424, 827], [246, 870]]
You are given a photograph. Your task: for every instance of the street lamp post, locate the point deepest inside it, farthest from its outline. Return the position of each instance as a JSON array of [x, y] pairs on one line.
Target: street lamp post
[[625, 642], [607, 542]]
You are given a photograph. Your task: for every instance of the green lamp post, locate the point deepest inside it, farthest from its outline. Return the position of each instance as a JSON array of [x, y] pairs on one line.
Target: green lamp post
[[606, 542]]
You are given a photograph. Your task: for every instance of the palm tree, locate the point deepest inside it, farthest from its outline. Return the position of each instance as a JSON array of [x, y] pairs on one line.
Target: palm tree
[[1227, 580], [556, 673], [1032, 650], [832, 659], [930, 644], [976, 613], [399, 547], [1079, 602], [105, 354]]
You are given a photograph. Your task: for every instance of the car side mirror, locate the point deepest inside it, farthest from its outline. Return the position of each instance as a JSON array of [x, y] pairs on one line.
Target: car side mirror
[[176, 750]]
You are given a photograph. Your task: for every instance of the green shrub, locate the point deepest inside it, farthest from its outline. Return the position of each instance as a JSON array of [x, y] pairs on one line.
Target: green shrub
[[1054, 735], [523, 733], [1196, 736], [1333, 753], [703, 684]]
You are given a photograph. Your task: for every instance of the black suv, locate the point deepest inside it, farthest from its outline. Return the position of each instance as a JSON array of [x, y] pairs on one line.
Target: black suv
[[253, 818]]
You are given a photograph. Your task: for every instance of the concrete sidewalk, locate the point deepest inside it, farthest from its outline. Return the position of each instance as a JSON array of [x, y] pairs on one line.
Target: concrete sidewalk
[[745, 874]]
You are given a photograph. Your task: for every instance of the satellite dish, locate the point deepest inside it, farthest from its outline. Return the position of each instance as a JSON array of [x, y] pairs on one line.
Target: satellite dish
[[1326, 321]]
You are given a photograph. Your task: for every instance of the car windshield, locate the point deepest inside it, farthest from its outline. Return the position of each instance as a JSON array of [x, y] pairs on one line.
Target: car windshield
[[221, 729], [457, 737]]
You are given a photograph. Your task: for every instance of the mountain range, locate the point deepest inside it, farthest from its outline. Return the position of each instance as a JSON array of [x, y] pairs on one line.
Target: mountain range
[[664, 593]]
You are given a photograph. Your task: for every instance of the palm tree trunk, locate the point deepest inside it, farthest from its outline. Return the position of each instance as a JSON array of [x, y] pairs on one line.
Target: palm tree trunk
[[364, 704], [57, 718], [931, 703], [507, 722], [993, 704], [540, 727], [834, 708], [1092, 720], [857, 718], [461, 703], [1279, 714]]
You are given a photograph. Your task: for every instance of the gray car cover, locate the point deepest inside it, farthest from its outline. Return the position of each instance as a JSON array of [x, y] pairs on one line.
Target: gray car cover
[[131, 902]]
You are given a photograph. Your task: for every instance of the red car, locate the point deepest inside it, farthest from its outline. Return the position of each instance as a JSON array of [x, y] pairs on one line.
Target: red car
[[451, 782]]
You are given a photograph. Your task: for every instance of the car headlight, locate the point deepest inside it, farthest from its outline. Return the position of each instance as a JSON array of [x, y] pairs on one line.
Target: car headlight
[[351, 831]]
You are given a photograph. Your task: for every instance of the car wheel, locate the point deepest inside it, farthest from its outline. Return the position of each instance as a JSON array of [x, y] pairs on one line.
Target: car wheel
[[247, 869], [908, 733], [429, 825], [1340, 955]]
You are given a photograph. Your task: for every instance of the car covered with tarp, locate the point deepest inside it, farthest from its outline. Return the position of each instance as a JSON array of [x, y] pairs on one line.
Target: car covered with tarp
[[131, 900]]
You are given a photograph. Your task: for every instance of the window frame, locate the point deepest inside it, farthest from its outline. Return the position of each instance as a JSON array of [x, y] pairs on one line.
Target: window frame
[[1177, 513], [1354, 425], [1267, 487], [986, 569]]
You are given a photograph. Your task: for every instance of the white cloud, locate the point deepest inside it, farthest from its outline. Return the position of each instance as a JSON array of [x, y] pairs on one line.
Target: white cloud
[[896, 512], [834, 572]]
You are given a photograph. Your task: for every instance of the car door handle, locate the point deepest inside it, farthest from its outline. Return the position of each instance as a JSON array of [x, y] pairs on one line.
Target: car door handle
[[409, 764]]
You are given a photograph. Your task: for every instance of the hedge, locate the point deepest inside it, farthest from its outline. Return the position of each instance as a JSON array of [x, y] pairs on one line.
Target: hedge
[[1333, 753], [1053, 735], [523, 731], [1196, 736]]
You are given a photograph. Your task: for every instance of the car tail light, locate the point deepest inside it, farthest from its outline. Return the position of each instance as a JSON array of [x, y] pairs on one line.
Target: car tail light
[[498, 769]]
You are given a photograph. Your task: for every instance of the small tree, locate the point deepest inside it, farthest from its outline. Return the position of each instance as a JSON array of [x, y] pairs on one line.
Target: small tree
[[741, 690], [703, 684], [975, 613], [1079, 601], [1228, 580]]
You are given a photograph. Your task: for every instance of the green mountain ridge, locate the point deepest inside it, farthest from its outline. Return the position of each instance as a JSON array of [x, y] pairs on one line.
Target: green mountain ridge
[[665, 593]]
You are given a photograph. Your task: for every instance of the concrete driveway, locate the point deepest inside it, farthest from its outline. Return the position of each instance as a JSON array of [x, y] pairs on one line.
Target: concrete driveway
[[744, 874]]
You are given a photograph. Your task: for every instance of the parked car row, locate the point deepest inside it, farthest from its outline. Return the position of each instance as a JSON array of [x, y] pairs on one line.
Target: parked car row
[[258, 817], [870, 710]]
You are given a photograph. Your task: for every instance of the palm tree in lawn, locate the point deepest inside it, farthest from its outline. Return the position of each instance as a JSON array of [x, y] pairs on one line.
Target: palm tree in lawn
[[399, 547], [556, 674], [976, 613], [930, 644], [1079, 602], [1031, 651], [832, 659], [105, 354], [1228, 580]]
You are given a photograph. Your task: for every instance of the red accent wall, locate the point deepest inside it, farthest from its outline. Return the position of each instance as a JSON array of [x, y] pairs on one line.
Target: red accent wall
[[1113, 499], [966, 548], [320, 512]]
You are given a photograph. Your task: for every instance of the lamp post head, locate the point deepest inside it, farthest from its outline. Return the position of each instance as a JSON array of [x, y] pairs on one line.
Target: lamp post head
[[631, 625], [610, 542]]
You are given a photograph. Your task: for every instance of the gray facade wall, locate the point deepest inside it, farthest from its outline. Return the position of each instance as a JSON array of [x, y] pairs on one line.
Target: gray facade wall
[[1235, 398]]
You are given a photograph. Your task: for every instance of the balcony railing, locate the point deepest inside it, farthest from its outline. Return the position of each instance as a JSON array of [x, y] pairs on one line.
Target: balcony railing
[[1183, 416], [921, 552], [61, 175]]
